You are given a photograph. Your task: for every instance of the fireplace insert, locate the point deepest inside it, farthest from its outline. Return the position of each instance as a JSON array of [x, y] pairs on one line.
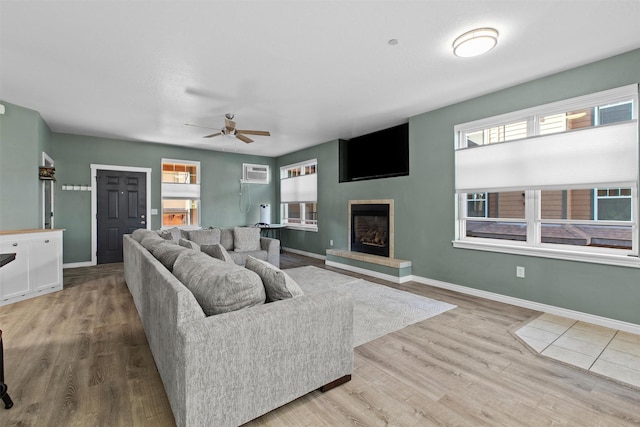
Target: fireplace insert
[[370, 229]]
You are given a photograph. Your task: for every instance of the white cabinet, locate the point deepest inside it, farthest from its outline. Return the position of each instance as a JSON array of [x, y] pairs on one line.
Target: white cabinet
[[37, 268], [14, 277]]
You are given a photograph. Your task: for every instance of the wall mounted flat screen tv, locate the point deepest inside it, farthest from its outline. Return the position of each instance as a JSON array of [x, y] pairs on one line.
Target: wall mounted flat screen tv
[[381, 154]]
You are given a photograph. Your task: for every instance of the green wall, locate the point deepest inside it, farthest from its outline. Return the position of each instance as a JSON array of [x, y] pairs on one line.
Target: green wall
[[424, 204], [424, 201], [23, 138], [219, 191]]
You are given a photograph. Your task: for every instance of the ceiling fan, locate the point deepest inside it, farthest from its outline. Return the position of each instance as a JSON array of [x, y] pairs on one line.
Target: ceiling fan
[[230, 129]]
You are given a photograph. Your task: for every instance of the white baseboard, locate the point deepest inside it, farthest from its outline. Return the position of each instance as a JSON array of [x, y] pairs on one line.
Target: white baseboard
[[78, 264], [371, 273], [303, 253], [31, 295], [558, 311]]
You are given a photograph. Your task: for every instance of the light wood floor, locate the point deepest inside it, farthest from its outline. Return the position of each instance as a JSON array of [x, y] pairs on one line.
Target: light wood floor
[[79, 357]]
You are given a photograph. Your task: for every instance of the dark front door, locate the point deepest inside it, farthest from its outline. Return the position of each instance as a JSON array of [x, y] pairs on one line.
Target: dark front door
[[122, 208]]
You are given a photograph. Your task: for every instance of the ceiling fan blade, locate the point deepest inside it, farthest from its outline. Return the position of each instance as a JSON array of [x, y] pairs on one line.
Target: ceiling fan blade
[[229, 124], [212, 135], [254, 132], [243, 138], [198, 126]]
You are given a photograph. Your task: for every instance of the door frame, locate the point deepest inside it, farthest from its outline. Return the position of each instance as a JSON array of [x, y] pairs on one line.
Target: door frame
[[94, 201], [47, 161]]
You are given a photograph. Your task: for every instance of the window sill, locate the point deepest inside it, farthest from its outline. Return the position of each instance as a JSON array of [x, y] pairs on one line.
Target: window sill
[[313, 228], [545, 252]]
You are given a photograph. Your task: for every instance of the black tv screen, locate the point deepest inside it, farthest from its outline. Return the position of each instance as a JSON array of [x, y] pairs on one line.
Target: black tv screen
[[381, 154]]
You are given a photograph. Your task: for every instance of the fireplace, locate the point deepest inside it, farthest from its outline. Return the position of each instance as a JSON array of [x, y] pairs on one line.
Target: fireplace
[[370, 228]]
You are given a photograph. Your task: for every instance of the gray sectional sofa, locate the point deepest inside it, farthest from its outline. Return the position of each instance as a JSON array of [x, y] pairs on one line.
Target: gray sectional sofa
[[240, 242], [227, 369]]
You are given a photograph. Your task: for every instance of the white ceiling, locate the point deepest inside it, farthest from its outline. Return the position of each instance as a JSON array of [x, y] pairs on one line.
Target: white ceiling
[[308, 71]]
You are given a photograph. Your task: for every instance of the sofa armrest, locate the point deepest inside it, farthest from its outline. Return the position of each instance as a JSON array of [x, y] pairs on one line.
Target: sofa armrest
[[272, 246], [243, 364]]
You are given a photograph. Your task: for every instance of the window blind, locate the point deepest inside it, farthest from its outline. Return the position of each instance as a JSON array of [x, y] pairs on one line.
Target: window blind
[[299, 189], [577, 159], [180, 191]]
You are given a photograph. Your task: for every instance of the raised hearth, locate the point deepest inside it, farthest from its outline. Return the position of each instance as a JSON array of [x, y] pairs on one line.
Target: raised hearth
[[392, 269]]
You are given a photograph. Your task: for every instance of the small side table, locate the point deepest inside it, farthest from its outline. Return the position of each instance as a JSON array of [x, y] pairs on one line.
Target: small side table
[[271, 230]]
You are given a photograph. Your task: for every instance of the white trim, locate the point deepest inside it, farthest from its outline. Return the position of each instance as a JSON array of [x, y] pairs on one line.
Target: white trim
[[378, 275], [77, 264], [545, 252], [301, 227], [559, 311], [94, 201], [304, 253], [30, 295]]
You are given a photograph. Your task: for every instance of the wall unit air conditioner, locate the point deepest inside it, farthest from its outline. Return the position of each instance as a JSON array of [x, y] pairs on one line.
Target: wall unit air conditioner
[[255, 174]]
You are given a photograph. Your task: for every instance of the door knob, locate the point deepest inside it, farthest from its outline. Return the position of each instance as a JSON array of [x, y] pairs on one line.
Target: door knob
[[142, 222]]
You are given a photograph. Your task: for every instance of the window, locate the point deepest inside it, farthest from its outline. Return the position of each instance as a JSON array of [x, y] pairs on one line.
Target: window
[[612, 204], [180, 193], [559, 180], [298, 195]]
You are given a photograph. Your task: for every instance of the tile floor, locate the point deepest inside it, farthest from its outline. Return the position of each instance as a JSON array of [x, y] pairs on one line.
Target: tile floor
[[609, 352]]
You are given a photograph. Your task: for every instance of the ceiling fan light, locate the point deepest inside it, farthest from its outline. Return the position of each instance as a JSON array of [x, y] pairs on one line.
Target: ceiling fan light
[[475, 42]]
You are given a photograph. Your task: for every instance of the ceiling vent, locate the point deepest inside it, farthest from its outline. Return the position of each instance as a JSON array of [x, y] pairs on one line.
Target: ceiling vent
[[255, 174]]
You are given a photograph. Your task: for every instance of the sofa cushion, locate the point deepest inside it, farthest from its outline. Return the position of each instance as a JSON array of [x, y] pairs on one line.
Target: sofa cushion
[[189, 244], [207, 236], [171, 234], [246, 239], [226, 238], [278, 284], [150, 242], [141, 233], [240, 258], [218, 252], [167, 254], [218, 286]]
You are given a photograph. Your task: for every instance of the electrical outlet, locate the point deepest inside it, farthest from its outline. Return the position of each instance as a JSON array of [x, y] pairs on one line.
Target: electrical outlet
[[520, 272], [331, 242]]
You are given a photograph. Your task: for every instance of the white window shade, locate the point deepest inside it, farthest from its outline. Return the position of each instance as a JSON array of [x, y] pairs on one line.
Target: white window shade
[[582, 158], [180, 191], [299, 189]]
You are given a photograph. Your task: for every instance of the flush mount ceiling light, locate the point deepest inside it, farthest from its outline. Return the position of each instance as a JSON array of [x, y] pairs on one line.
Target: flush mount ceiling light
[[475, 42]]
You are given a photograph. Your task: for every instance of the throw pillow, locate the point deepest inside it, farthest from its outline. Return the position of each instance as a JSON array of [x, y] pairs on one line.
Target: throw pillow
[[277, 284], [167, 254], [171, 234], [189, 244], [218, 286], [151, 242], [208, 236], [217, 251], [246, 239], [226, 238], [140, 233]]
